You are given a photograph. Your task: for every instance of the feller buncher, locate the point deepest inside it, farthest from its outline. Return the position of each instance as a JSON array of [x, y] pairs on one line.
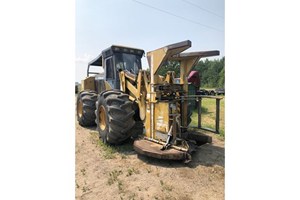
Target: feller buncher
[[126, 101]]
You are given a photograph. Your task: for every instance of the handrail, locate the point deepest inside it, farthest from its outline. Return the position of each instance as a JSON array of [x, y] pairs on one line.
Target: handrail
[[217, 119]]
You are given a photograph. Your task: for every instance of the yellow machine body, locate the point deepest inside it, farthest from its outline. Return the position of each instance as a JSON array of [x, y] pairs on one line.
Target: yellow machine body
[[162, 101], [89, 83]]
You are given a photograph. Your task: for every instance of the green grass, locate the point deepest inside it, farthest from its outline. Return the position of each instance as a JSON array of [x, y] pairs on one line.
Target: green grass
[[113, 176], [111, 151], [131, 171], [209, 114]]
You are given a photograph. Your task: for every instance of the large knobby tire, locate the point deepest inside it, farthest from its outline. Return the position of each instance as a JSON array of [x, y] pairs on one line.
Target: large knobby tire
[[114, 116], [85, 108]]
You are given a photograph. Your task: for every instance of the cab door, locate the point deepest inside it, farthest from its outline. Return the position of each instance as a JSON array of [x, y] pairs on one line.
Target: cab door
[[110, 74]]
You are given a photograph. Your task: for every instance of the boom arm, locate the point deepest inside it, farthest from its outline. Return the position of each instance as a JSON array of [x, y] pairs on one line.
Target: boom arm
[[157, 57]]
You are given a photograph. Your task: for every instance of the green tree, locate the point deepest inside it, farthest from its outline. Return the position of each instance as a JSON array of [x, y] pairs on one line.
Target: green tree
[[170, 66], [212, 72]]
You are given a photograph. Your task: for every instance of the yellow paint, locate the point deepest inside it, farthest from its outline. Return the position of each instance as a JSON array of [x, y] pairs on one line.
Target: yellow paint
[[162, 117], [102, 118], [107, 85], [147, 121], [132, 89], [185, 68], [122, 81], [88, 83]]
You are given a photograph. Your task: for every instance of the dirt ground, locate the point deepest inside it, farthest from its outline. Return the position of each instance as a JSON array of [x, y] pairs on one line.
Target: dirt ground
[[119, 173]]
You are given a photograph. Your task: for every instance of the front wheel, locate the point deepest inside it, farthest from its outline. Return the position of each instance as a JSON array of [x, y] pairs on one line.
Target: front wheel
[[114, 116]]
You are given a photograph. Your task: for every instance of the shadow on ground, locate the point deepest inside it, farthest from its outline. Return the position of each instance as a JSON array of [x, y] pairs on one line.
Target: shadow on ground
[[92, 128], [206, 155]]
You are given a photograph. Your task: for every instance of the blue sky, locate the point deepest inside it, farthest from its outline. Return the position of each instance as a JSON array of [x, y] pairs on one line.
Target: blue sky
[[100, 24]]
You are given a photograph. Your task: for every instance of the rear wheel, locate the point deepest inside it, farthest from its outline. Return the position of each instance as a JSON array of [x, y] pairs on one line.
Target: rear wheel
[[114, 116], [86, 106]]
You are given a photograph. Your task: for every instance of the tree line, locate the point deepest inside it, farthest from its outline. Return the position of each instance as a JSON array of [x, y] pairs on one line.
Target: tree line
[[212, 72]]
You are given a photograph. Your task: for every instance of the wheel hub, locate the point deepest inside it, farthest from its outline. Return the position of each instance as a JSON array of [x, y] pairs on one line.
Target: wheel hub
[[102, 118], [79, 109]]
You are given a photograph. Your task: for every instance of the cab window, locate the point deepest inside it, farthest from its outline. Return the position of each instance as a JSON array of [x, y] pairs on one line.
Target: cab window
[[109, 68]]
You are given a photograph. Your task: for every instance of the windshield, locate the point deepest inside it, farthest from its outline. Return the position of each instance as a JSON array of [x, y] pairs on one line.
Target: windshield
[[128, 62]]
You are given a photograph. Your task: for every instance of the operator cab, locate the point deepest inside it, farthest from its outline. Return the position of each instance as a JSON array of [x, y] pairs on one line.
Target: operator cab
[[113, 60]]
